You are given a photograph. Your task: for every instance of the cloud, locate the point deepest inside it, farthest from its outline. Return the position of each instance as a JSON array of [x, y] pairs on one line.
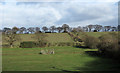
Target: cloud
[[60, 0], [32, 14]]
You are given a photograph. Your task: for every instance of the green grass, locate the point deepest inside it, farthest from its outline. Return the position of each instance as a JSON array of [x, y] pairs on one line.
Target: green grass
[[95, 34], [55, 37], [51, 38], [65, 58]]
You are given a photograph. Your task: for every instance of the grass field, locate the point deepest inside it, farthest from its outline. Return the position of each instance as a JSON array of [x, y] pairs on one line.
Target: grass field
[[55, 37], [95, 34], [51, 38], [65, 58]]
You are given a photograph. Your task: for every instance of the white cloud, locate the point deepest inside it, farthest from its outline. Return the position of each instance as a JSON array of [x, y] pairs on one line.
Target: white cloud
[[60, 0], [74, 13]]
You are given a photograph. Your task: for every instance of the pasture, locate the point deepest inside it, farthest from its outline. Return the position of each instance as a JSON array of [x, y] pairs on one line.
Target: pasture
[[94, 34], [65, 58], [51, 38]]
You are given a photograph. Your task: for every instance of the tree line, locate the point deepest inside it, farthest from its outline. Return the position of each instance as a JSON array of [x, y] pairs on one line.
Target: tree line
[[63, 28]]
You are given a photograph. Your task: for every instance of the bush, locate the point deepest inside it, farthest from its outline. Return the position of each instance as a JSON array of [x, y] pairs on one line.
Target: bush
[[6, 46], [28, 44], [109, 45], [90, 41], [77, 44], [65, 44], [69, 44], [62, 44]]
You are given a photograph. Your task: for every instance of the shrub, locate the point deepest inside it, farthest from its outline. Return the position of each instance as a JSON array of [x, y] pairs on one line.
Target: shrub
[[77, 44], [41, 39], [62, 44], [109, 45], [69, 44], [6, 46], [65, 44], [48, 44], [29, 44], [90, 41]]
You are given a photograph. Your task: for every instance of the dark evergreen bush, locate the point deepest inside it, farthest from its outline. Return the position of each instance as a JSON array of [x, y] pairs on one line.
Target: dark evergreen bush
[[29, 44]]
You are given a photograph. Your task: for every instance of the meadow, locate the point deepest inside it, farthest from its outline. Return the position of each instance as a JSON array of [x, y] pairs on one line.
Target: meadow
[[65, 59], [51, 38]]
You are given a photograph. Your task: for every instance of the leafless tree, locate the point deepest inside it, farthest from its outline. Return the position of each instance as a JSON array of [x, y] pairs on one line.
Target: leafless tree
[[79, 29], [40, 38], [90, 27], [107, 28], [44, 28], [70, 29], [11, 38], [15, 30], [6, 30], [85, 29], [65, 27], [97, 27], [37, 29], [59, 29], [22, 29], [31, 29], [52, 28], [74, 30], [114, 28]]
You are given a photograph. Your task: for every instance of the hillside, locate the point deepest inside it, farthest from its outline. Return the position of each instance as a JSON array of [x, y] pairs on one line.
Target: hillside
[[55, 37], [51, 38], [95, 34]]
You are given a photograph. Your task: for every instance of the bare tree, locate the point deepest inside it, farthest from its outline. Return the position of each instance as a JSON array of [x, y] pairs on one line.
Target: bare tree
[[6, 30], [22, 29], [31, 29], [44, 28], [90, 27], [59, 29], [65, 27], [11, 38], [15, 30], [52, 28], [74, 30], [97, 27], [107, 28], [114, 28], [79, 29], [70, 29], [40, 38], [85, 29], [37, 29]]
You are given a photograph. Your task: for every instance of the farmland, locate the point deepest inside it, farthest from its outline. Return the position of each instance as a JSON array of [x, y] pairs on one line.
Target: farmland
[[51, 38], [54, 37], [65, 58]]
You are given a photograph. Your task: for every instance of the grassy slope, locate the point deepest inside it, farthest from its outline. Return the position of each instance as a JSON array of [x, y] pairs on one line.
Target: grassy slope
[[95, 34], [51, 38], [56, 37], [65, 58]]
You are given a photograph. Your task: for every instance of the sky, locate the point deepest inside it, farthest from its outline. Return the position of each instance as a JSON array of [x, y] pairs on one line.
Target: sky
[[39, 13]]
